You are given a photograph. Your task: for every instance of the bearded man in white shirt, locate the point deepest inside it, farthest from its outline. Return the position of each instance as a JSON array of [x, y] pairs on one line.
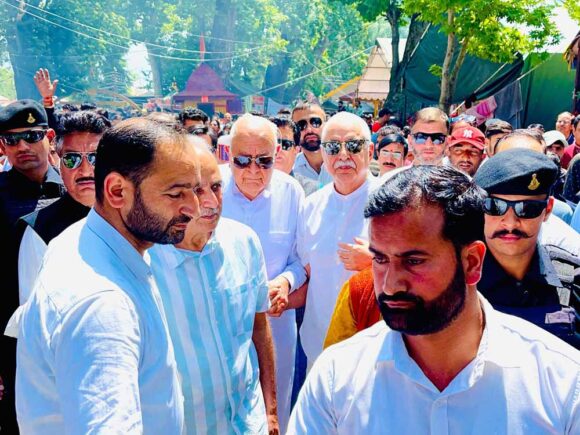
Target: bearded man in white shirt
[[447, 360], [332, 226], [269, 202]]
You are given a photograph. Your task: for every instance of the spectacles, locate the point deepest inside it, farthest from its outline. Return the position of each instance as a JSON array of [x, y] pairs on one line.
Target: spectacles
[[286, 144], [436, 138], [264, 162], [74, 160], [353, 146], [458, 151], [31, 136], [315, 122], [198, 129], [394, 154], [526, 209]]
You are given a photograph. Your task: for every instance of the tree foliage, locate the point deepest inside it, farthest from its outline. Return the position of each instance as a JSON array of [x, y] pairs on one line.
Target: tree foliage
[[573, 8]]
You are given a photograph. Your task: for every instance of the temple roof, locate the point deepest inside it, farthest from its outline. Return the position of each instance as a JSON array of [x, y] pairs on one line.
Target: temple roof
[[204, 82]]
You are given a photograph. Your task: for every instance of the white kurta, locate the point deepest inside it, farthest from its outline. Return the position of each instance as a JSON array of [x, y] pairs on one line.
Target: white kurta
[[328, 219], [273, 215]]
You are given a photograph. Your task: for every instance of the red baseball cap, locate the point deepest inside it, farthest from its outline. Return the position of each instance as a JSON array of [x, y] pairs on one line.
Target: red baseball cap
[[467, 135]]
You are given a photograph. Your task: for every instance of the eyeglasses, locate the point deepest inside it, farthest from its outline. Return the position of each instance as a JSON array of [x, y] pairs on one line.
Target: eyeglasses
[[74, 160], [393, 154], [264, 162], [198, 129], [353, 146], [526, 209], [286, 144], [31, 136], [436, 138], [315, 122], [458, 151]]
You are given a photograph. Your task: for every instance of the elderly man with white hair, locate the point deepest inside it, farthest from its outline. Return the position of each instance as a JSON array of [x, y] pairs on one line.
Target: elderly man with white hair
[[268, 201], [332, 226]]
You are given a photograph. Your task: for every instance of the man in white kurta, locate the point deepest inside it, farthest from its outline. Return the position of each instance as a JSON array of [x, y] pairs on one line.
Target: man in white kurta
[[331, 221], [269, 202]]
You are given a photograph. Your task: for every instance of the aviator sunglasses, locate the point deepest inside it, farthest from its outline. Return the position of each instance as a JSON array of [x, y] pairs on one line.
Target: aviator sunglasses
[[264, 162], [31, 136], [315, 122], [525, 209], [198, 129], [353, 146], [286, 144], [73, 160], [436, 138]]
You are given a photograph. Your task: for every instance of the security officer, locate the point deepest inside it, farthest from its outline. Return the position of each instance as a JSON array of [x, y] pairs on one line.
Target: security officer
[[31, 184], [534, 281]]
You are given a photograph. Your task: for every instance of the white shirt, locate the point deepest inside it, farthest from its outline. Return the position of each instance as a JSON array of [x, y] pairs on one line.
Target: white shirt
[[558, 233], [273, 215], [522, 381], [211, 299], [302, 167], [30, 254], [328, 219], [94, 353]]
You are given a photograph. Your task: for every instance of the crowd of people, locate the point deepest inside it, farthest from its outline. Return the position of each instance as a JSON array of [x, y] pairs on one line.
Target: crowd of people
[[300, 274]]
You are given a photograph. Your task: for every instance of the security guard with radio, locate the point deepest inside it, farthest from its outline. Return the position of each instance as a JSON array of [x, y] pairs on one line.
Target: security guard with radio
[[537, 282]]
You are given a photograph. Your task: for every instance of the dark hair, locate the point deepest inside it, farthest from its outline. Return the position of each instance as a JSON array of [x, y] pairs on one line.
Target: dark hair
[[284, 111], [389, 129], [70, 107], [84, 121], [129, 148], [285, 121], [575, 121], [460, 199], [192, 113], [305, 105], [166, 119], [384, 112], [537, 127], [88, 106]]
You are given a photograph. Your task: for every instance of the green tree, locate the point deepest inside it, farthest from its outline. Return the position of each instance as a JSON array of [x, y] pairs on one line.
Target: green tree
[[573, 8], [490, 29]]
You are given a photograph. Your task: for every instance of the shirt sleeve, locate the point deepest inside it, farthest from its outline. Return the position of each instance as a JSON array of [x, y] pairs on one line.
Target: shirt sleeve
[[342, 324], [30, 255], [96, 359], [314, 412], [259, 270], [294, 271]]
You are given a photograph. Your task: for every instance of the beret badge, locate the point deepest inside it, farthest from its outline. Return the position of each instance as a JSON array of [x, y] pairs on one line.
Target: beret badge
[[31, 119], [534, 184]]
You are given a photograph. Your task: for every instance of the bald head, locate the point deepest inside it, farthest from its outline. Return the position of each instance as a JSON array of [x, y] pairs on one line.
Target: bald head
[[254, 126], [346, 120], [527, 139]]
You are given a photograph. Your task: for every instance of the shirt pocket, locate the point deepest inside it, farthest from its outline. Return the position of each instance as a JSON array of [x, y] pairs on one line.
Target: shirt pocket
[[237, 307]]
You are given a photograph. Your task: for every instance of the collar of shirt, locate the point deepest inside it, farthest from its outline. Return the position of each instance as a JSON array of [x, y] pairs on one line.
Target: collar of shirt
[[178, 256], [496, 347], [362, 190], [126, 253]]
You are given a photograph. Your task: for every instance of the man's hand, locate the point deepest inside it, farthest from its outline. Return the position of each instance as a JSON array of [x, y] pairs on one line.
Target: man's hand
[[45, 87], [273, 425], [278, 290], [355, 256]]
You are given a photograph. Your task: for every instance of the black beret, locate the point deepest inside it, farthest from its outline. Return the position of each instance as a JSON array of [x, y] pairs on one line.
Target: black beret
[[517, 171], [22, 114]]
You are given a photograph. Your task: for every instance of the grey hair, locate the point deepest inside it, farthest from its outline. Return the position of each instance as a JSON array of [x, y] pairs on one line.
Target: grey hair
[[344, 118], [257, 122]]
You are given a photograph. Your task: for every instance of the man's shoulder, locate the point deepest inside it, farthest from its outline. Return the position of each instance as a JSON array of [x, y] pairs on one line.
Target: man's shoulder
[[282, 179], [320, 197], [556, 232], [232, 230]]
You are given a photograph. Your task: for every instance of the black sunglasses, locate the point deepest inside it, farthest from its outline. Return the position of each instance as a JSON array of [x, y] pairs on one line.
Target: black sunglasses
[[198, 129], [353, 146], [31, 136], [286, 144], [525, 209], [315, 122], [436, 138], [73, 160], [264, 162]]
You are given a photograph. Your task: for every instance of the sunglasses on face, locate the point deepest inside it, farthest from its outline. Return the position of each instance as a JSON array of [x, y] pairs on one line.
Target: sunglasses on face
[[526, 209], [74, 160], [315, 122], [286, 144], [393, 154], [198, 129], [436, 138], [263, 162], [32, 136], [353, 146]]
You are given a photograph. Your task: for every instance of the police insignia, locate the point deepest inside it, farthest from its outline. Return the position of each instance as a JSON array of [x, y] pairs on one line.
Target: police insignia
[[31, 119], [534, 184]]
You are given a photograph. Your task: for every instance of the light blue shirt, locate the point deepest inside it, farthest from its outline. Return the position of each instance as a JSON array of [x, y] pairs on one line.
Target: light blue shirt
[[211, 298], [94, 353], [302, 167]]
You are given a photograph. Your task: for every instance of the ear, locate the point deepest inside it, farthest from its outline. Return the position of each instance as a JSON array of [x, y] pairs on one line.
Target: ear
[[371, 150], [117, 190], [549, 208], [472, 257], [2, 147]]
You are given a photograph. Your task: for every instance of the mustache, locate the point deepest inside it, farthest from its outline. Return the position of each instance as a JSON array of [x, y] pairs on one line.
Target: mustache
[[389, 164], [179, 220], [514, 232], [80, 180], [209, 212], [344, 164]]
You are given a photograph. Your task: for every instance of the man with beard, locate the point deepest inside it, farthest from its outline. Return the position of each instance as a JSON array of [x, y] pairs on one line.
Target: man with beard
[[310, 118], [214, 290], [443, 358], [465, 149], [428, 136], [94, 352], [522, 276]]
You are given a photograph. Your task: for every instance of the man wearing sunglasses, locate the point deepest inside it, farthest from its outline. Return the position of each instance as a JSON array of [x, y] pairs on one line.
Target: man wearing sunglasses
[[522, 276], [31, 184], [391, 150], [269, 202], [310, 118], [428, 136]]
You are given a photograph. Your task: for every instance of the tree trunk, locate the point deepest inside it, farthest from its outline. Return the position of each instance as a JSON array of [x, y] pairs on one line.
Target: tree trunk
[[456, 68], [156, 73], [276, 73], [393, 17], [294, 90], [223, 28], [445, 95]]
